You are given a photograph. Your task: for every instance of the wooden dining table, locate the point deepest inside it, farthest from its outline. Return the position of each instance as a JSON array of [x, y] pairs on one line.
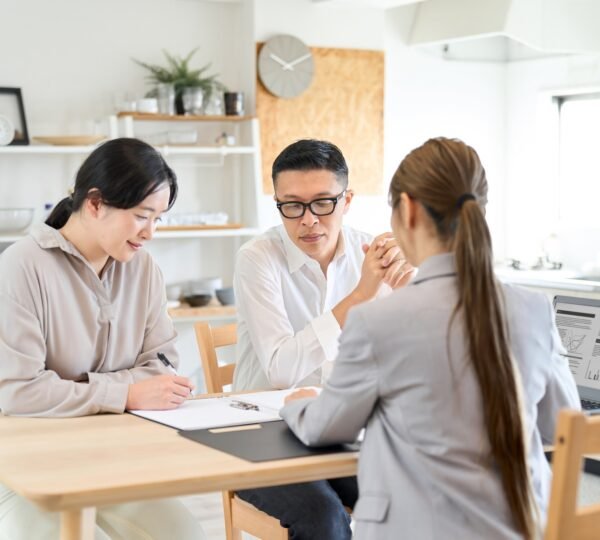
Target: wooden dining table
[[73, 465]]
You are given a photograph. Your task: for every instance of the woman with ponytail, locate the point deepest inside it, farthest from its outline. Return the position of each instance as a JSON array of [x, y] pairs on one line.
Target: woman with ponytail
[[457, 378], [82, 318]]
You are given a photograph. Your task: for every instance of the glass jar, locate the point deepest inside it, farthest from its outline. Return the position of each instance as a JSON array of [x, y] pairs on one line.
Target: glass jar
[[214, 104], [192, 98]]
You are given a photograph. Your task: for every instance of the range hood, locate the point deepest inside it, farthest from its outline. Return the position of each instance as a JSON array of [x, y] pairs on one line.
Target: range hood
[[385, 4], [506, 30]]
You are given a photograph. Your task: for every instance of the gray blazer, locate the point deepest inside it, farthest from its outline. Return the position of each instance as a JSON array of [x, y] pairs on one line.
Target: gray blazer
[[423, 468]]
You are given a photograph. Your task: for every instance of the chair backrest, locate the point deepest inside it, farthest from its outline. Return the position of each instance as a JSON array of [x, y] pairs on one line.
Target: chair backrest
[[576, 435], [209, 339]]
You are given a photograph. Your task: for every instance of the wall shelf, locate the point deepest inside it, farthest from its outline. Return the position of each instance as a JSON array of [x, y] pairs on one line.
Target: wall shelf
[[46, 149], [167, 150], [150, 117], [207, 233], [194, 150], [165, 235], [10, 238], [238, 167]]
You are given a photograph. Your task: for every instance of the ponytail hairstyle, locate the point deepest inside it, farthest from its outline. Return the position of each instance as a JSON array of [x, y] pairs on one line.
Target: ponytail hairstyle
[[121, 173], [447, 178]]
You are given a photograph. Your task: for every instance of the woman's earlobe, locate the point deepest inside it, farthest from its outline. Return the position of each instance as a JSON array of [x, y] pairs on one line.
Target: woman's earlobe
[[93, 205]]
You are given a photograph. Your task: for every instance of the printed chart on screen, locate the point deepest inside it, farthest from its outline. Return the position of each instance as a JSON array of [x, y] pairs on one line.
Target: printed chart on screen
[[579, 329]]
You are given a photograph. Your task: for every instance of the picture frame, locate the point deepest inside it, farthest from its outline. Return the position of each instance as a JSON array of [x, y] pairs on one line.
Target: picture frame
[[11, 106]]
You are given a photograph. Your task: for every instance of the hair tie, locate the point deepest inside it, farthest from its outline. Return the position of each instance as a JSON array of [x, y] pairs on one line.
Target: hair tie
[[463, 198]]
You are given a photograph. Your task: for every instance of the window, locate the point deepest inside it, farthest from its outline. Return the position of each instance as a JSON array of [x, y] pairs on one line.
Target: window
[[579, 160]]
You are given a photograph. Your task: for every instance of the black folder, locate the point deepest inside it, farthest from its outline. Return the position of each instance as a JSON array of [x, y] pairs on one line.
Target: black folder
[[261, 442]]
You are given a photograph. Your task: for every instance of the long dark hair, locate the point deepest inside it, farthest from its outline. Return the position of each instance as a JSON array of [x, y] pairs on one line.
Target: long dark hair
[[120, 172], [447, 178]]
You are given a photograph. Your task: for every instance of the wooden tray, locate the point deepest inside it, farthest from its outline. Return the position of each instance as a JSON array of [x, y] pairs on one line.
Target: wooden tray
[[71, 140]]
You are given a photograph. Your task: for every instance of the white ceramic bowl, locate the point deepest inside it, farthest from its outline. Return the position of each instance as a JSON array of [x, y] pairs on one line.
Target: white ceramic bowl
[[147, 105], [13, 220], [174, 292]]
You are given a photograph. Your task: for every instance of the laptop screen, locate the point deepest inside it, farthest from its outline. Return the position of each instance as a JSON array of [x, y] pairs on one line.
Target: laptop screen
[[578, 322]]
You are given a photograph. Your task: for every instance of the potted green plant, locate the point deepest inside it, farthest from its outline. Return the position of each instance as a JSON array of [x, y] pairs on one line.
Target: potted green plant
[[179, 73]]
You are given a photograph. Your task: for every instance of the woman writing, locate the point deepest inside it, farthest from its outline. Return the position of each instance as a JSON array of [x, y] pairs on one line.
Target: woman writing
[[82, 319], [457, 378]]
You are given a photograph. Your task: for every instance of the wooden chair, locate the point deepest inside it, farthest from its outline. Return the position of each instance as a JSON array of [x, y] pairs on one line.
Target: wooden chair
[[239, 515], [576, 435]]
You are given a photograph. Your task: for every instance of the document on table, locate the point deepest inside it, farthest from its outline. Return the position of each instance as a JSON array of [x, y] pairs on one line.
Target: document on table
[[234, 410]]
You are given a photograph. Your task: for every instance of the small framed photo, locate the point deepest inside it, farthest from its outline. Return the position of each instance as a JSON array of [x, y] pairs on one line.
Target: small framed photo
[[11, 106]]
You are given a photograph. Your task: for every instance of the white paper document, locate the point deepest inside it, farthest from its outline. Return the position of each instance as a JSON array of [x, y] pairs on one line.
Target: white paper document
[[224, 411]]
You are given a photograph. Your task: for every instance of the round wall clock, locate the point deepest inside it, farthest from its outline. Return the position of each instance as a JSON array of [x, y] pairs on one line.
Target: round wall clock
[[7, 131], [285, 66]]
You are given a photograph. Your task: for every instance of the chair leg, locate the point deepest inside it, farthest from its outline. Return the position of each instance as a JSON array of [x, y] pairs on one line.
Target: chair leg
[[256, 522], [231, 533]]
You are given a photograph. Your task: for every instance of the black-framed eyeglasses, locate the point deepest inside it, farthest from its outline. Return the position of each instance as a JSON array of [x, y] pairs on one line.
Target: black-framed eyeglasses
[[318, 207]]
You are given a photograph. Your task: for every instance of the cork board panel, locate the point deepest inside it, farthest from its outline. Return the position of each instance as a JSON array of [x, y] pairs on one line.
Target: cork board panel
[[344, 105]]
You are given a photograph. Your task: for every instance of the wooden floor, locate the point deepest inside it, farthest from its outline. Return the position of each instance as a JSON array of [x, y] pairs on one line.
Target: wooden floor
[[208, 509]]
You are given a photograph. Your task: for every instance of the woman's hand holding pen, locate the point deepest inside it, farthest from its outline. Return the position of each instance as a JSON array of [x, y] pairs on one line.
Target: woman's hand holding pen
[[159, 392]]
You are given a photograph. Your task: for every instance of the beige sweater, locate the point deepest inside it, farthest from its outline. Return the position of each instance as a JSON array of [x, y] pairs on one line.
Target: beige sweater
[[59, 321]]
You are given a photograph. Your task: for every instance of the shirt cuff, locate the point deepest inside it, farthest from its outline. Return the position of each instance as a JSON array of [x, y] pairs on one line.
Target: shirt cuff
[[114, 397], [328, 331]]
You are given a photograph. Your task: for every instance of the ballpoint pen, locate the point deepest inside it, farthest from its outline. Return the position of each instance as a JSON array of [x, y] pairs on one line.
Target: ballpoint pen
[[166, 362]]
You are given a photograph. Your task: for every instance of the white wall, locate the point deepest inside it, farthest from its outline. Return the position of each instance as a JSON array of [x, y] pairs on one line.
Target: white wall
[[532, 195], [429, 97], [71, 57]]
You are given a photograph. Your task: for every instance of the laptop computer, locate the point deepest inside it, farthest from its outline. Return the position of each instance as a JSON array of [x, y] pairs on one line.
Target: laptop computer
[[578, 322]]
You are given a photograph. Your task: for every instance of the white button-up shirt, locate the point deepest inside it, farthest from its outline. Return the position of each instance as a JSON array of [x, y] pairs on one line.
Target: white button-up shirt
[[287, 333]]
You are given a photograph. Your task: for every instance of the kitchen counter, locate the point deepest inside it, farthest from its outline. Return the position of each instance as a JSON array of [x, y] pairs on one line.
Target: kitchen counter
[[213, 311], [565, 280]]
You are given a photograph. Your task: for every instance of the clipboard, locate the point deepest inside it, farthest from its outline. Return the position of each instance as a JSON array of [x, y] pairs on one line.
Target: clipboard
[[261, 442], [222, 411]]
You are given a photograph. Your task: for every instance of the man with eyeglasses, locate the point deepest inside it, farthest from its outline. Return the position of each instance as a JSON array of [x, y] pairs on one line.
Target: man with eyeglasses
[[294, 286]]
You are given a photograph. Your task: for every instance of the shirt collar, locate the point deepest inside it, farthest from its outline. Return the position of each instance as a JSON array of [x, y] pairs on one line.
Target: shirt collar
[[49, 238], [441, 265], [296, 258]]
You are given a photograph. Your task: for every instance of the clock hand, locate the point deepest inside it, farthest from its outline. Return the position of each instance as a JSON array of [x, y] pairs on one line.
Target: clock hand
[[283, 63], [298, 60]]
